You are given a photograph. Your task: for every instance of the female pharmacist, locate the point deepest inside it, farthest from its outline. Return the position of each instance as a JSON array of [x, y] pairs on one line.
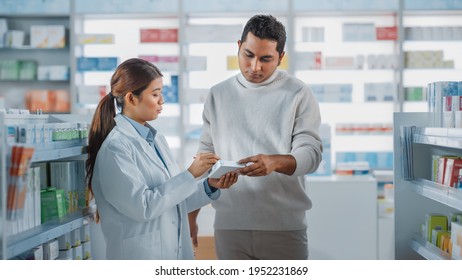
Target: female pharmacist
[[142, 197]]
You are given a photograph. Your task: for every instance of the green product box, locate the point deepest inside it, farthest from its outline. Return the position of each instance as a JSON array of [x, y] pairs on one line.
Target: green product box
[[9, 70], [28, 70], [53, 204], [435, 221], [414, 94]]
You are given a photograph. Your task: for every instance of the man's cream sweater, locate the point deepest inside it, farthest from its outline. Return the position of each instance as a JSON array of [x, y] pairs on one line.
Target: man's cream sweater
[[278, 116]]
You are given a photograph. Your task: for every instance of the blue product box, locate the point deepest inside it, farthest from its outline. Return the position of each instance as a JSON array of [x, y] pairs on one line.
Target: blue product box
[[87, 64], [107, 63]]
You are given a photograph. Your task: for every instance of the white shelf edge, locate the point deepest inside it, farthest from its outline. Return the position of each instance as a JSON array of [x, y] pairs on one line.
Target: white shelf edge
[[437, 192], [24, 241], [428, 250]]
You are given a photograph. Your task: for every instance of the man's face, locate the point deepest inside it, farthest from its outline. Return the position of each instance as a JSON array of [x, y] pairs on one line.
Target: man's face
[[258, 58]]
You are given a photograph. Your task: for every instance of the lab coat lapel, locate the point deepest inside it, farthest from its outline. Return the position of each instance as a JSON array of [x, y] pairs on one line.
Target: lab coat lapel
[[127, 129]]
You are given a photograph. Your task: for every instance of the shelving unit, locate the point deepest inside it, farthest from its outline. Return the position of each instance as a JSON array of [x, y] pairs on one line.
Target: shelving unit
[[419, 196], [50, 13], [11, 246]]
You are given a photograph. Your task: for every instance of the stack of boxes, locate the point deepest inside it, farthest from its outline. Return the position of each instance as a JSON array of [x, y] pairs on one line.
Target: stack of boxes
[[444, 233]]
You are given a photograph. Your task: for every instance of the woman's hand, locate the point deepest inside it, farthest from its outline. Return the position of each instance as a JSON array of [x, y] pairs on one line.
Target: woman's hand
[[225, 181], [202, 162]]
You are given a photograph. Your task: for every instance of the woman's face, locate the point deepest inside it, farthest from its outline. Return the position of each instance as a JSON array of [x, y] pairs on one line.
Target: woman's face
[[148, 105]]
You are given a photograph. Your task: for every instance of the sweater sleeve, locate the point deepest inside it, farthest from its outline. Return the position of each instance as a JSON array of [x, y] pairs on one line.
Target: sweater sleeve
[[206, 142], [306, 143]]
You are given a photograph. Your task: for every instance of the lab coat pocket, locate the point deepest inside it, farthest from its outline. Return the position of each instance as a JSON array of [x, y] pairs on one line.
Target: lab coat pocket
[[143, 247]]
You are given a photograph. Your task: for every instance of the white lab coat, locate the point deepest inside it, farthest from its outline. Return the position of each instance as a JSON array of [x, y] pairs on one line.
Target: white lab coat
[[137, 198]]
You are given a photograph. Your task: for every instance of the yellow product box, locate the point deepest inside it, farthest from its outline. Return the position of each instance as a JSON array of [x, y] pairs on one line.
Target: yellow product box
[[445, 242], [435, 221]]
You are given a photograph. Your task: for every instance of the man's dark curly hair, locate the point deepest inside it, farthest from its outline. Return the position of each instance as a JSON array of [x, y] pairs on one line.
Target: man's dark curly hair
[[266, 27]]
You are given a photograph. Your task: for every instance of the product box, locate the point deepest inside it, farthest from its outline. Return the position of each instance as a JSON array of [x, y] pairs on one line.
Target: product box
[[64, 241], [39, 36], [85, 233], [9, 69], [222, 167], [451, 175], [387, 33], [14, 38], [51, 250], [53, 204], [75, 237], [77, 253], [107, 63], [86, 250], [56, 36], [66, 254], [3, 30], [435, 221], [308, 60], [28, 70], [151, 35], [87, 64], [456, 238], [86, 39]]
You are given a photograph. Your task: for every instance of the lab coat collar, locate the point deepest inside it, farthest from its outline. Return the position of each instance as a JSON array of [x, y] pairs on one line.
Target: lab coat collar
[[126, 128]]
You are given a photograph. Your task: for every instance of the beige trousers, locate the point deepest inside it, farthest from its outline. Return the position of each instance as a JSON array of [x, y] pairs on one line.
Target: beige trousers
[[261, 245]]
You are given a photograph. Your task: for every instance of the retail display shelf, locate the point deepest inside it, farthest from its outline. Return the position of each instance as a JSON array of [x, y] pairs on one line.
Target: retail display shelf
[[445, 137], [428, 250], [59, 149], [22, 242], [444, 194]]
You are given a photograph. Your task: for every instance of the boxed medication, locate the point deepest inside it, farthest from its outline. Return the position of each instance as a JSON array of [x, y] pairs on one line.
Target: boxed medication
[[435, 221], [56, 36], [456, 238], [85, 233], [222, 167], [50, 250], [75, 237], [53, 204], [65, 254], [86, 250], [77, 253], [64, 241], [39, 36]]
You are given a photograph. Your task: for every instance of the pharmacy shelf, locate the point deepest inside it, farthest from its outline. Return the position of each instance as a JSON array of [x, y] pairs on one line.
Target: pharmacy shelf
[[444, 137], [443, 194], [59, 149], [24, 241], [428, 250]]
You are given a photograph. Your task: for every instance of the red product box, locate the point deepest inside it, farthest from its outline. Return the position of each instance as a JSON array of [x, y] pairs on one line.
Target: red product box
[[158, 35], [387, 33], [451, 176]]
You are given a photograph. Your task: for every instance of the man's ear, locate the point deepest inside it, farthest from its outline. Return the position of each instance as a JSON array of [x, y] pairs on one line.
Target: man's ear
[[280, 57]]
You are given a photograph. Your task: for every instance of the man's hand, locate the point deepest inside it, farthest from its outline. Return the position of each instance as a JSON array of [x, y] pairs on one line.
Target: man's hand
[[262, 165]]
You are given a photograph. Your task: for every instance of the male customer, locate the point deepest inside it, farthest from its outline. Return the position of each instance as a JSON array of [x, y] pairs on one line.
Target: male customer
[[269, 120]]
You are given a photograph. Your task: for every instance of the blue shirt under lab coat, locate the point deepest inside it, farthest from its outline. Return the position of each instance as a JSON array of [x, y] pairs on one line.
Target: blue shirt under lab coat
[[143, 198]]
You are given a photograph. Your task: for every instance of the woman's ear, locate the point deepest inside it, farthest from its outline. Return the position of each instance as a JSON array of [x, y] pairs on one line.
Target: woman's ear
[[129, 98]]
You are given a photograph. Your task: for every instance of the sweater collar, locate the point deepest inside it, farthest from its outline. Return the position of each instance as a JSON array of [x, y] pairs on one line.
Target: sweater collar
[[248, 84]]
